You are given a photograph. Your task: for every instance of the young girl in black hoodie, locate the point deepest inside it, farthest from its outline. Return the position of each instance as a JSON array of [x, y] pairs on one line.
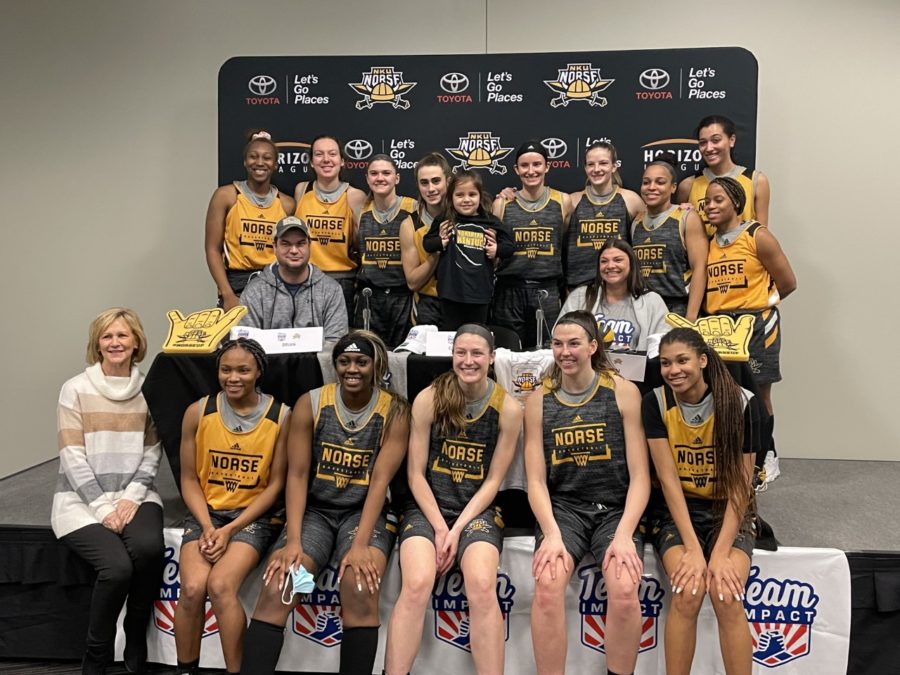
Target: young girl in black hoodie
[[470, 241]]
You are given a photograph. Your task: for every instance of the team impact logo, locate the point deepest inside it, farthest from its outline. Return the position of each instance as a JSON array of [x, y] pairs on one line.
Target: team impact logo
[[451, 608], [578, 82], [781, 615], [169, 591], [480, 150], [317, 616], [382, 84], [593, 604]]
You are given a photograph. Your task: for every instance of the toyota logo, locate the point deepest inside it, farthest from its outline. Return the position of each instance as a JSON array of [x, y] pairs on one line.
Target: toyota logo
[[358, 149], [654, 78], [262, 85], [454, 83], [555, 147]]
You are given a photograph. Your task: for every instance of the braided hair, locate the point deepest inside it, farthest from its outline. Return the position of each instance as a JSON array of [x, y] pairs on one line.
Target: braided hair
[[731, 484], [250, 346], [733, 190]]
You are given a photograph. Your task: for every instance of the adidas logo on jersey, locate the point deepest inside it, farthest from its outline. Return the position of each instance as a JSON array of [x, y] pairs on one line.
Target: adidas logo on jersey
[[236, 446], [577, 419], [698, 440], [349, 442]]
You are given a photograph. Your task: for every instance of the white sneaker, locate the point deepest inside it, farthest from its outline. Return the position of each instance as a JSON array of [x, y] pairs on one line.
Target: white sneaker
[[770, 466]]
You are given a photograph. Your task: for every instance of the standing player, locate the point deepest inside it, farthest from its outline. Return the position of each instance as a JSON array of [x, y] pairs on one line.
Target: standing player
[[347, 440], [588, 484], [464, 430], [703, 430], [670, 244], [419, 265], [531, 278], [603, 210], [748, 273], [327, 205], [240, 221], [381, 268], [716, 136]]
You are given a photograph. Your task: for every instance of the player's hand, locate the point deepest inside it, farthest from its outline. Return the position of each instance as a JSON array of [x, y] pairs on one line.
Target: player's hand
[[359, 559], [446, 554], [113, 521], [281, 561], [230, 300], [724, 580], [622, 555], [508, 193], [690, 571], [216, 543], [490, 243], [446, 232], [551, 552]]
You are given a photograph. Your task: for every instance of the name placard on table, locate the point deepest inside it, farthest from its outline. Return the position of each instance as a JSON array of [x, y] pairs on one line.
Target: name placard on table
[[283, 340]]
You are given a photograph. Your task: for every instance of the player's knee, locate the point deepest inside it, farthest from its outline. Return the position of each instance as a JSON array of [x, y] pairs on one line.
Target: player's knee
[[192, 592], [221, 587], [481, 589], [687, 604], [416, 587], [358, 606], [622, 599], [549, 593], [727, 612]]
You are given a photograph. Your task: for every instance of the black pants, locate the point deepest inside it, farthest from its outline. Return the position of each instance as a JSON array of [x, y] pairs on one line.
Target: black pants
[[455, 314], [515, 305], [128, 565]]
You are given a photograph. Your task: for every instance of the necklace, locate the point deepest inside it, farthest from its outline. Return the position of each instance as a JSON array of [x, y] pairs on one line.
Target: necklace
[[330, 196]]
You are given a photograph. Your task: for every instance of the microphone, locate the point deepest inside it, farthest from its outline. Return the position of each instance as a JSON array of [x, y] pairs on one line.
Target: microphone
[[543, 294], [541, 324], [367, 311]]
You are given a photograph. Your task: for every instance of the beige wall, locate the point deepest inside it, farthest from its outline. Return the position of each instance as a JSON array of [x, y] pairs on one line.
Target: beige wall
[[109, 158]]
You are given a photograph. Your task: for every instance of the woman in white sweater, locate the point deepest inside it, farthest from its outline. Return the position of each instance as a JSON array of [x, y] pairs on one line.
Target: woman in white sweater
[[626, 312], [105, 506]]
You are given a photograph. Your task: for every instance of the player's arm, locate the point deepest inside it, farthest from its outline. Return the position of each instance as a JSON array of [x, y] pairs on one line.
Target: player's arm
[[633, 203], [697, 246], [300, 190], [761, 198], [417, 274], [417, 460], [287, 203], [775, 261], [214, 241], [566, 211], [191, 491], [683, 193]]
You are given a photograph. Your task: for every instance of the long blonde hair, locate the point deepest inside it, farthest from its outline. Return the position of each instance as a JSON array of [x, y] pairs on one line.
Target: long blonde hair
[[449, 400]]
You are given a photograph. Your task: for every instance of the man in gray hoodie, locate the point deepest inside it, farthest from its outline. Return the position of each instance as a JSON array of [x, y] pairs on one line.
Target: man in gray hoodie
[[292, 292]]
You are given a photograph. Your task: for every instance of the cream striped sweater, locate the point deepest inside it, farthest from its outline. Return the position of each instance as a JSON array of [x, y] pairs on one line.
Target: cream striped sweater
[[108, 449]]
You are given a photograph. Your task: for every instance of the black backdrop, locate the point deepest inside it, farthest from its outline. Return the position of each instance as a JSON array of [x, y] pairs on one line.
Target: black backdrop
[[481, 107]]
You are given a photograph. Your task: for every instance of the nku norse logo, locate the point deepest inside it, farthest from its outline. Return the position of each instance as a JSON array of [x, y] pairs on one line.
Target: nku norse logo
[[451, 608], [169, 591], [317, 616], [382, 84], [578, 82], [593, 605], [480, 150], [781, 615]]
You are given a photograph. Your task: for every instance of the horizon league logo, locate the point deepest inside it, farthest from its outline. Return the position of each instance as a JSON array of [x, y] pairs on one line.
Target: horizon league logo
[[653, 80], [593, 605], [556, 150], [382, 84], [317, 615], [454, 86], [480, 150], [686, 151], [578, 82], [293, 157], [262, 87], [781, 616], [451, 608], [169, 592], [357, 151]]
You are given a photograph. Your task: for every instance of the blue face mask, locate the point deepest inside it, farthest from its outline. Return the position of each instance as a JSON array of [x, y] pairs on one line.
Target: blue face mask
[[301, 582]]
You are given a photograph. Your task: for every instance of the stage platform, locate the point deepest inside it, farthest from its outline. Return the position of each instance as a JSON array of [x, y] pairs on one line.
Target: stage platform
[[848, 505]]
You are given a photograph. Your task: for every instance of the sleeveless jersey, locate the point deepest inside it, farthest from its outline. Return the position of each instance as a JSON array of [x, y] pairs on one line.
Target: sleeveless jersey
[[420, 230], [662, 255], [592, 223], [343, 457], [330, 229], [233, 466], [458, 463], [697, 197], [249, 232], [584, 447], [735, 278], [379, 246], [537, 236]]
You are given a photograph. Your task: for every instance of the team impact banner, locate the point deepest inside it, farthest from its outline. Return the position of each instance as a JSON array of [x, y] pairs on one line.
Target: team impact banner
[[478, 108]]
